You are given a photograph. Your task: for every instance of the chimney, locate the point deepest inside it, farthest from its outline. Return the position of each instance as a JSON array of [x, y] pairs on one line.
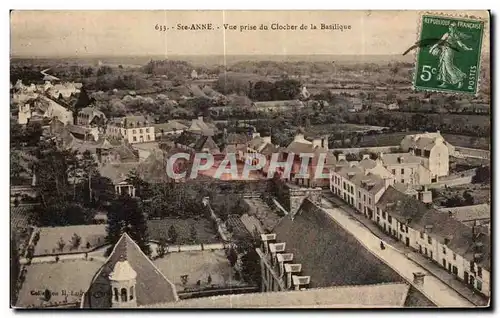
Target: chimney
[[282, 259], [418, 278], [200, 118], [341, 156], [291, 269], [275, 248], [266, 240], [366, 156], [300, 282]]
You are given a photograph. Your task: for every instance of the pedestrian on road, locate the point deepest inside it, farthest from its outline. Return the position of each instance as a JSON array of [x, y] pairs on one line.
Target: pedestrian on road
[[382, 246]]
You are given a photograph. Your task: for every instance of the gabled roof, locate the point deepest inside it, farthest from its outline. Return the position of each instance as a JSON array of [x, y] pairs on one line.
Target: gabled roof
[[388, 295], [152, 286], [235, 138], [171, 125], [117, 172], [404, 207], [206, 142], [299, 147], [337, 258]]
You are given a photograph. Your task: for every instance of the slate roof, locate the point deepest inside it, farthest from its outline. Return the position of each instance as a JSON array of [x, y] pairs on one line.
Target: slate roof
[[152, 287], [187, 139], [299, 147], [356, 174], [367, 296], [337, 257], [404, 207], [234, 138], [206, 142]]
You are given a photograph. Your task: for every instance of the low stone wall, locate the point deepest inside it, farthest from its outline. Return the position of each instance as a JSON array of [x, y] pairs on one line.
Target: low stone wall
[[472, 153]]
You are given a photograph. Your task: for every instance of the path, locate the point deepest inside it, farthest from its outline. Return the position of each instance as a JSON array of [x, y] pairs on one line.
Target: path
[[433, 288]]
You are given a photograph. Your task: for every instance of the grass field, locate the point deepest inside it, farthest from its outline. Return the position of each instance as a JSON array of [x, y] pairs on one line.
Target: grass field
[[198, 266], [50, 236], [205, 231], [66, 280]]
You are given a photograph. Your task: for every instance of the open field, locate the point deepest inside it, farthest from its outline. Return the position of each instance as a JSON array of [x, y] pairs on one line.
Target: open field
[[205, 231], [198, 266], [468, 141], [67, 280], [50, 236]]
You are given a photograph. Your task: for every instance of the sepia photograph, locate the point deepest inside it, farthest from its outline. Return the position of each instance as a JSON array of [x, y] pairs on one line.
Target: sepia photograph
[[233, 159]]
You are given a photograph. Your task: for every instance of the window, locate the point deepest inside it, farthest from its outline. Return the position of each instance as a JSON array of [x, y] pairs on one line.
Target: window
[[421, 235], [147, 130], [406, 228], [383, 215], [394, 171], [359, 206], [369, 200], [359, 194], [429, 239], [131, 292], [402, 180], [378, 211], [352, 190], [133, 131], [116, 294], [444, 249], [479, 271], [402, 171], [479, 285], [148, 137], [140, 131], [364, 197], [134, 138], [345, 186], [471, 266], [390, 219], [123, 294]]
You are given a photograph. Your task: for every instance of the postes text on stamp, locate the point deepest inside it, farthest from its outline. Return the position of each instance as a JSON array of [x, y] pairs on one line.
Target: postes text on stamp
[[449, 54]]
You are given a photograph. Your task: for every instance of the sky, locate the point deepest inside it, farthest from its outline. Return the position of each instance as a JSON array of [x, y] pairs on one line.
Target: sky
[[103, 33]]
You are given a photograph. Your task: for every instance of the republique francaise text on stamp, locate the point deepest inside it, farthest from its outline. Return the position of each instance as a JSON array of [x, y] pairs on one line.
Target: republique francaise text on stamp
[[449, 54]]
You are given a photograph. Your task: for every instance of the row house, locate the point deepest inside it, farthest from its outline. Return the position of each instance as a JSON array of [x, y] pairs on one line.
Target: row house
[[135, 129], [434, 151], [279, 272], [461, 250], [360, 184]]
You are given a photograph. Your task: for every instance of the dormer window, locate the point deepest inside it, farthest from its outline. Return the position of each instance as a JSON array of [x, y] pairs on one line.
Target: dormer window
[[123, 294]]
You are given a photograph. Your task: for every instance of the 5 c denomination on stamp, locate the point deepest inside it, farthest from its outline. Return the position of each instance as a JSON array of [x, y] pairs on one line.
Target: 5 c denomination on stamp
[[449, 54]]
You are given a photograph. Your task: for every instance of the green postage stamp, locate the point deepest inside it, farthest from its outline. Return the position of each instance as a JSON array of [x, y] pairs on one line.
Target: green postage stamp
[[449, 54]]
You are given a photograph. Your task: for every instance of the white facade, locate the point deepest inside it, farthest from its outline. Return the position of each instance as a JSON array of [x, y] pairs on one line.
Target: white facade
[[131, 130]]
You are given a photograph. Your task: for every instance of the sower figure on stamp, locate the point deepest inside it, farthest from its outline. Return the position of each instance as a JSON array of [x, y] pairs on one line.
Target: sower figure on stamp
[[448, 73]]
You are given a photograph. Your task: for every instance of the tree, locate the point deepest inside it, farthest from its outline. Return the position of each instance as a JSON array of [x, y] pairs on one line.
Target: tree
[[193, 234], [76, 240], [162, 248], [232, 256], [172, 234], [61, 244], [468, 198], [250, 261], [125, 215]]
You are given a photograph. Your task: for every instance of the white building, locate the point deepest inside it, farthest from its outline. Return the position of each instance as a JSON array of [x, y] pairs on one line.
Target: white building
[[462, 250], [406, 168], [134, 129]]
